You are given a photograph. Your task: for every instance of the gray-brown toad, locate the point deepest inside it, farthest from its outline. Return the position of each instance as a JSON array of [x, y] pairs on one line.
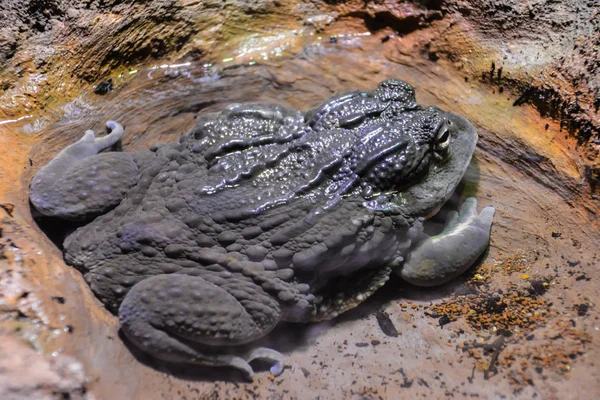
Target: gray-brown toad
[[261, 214]]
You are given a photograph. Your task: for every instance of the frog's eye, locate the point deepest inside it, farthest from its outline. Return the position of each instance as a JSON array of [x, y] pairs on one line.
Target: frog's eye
[[442, 137]]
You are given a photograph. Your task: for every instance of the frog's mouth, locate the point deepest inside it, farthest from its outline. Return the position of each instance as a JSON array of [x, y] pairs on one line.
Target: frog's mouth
[[425, 198]]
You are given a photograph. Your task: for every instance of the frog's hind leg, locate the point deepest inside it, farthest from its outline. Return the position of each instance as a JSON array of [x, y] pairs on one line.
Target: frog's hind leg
[[439, 259], [189, 319], [79, 183]]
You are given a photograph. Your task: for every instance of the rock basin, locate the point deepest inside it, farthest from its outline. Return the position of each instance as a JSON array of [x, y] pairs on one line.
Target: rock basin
[[532, 168]]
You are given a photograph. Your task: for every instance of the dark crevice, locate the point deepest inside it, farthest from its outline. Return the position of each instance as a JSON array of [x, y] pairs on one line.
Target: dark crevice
[[401, 25], [551, 104], [382, 20], [55, 229]]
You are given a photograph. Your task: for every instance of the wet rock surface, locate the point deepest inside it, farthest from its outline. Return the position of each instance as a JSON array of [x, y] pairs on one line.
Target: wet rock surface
[[537, 175], [27, 374]]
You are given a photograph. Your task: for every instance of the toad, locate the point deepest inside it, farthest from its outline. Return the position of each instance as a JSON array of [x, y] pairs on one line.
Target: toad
[[261, 214]]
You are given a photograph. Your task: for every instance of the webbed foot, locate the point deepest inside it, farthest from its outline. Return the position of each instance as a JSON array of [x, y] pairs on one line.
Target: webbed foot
[[79, 183], [189, 319], [441, 258]]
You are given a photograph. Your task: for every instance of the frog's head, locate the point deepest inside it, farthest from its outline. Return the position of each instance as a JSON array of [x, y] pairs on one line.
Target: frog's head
[[419, 155], [451, 144]]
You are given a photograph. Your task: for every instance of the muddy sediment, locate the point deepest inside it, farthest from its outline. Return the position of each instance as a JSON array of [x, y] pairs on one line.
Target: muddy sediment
[[524, 74]]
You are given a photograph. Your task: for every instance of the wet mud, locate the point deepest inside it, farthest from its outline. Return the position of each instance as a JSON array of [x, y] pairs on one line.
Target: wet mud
[[523, 324]]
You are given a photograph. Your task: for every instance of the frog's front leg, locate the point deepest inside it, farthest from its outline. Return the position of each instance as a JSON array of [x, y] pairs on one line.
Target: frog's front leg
[[79, 183], [439, 259]]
